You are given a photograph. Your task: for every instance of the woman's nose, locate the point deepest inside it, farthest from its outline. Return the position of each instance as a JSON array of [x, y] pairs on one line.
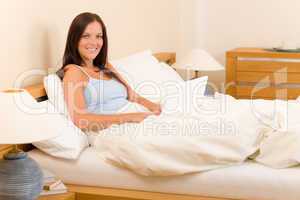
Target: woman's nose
[[93, 41]]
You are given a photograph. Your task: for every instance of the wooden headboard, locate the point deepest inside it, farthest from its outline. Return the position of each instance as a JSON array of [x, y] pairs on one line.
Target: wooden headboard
[[39, 93]]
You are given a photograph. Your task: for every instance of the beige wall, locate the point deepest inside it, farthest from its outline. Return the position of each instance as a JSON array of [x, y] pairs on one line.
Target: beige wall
[[33, 32], [218, 26], [255, 23]]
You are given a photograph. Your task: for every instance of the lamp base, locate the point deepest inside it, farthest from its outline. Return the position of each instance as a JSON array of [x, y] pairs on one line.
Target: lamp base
[[20, 177]]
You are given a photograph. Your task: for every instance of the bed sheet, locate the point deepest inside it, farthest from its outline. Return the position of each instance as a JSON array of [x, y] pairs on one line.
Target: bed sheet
[[249, 180]]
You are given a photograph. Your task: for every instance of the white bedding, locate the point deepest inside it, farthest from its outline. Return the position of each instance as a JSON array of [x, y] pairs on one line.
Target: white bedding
[[246, 181], [211, 135]]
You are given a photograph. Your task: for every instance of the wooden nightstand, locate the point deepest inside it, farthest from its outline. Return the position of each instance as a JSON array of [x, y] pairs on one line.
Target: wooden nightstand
[[258, 73], [65, 196]]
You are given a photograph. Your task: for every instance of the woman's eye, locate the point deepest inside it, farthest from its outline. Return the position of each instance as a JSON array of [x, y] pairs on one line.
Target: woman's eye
[[99, 36], [85, 36]]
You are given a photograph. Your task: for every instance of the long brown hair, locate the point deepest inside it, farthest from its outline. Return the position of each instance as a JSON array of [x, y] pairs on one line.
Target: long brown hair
[[71, 54]]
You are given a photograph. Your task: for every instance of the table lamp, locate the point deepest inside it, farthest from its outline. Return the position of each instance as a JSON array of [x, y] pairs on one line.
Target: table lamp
[[20, 176], [198, 60]]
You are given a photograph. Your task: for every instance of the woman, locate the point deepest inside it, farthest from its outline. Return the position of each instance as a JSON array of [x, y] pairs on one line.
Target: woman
[[94, 91]]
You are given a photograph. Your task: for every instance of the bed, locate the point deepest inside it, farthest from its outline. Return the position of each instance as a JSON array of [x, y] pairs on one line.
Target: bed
[[247, 181], [92, 178]]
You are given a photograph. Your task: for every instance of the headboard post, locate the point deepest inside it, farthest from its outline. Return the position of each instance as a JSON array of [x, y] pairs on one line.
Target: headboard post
[[167, 57]]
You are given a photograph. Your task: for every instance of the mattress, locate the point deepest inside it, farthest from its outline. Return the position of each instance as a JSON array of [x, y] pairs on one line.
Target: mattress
[[246, 181]]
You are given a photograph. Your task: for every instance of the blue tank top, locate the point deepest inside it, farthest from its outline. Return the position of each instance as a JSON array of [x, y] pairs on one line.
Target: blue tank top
[[104, 96]]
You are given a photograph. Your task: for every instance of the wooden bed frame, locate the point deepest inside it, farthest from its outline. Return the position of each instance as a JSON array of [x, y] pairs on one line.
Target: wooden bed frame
[[97, 193]]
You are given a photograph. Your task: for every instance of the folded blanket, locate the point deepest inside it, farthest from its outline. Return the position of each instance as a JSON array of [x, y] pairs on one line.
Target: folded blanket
[[210, 133], [280, 146]]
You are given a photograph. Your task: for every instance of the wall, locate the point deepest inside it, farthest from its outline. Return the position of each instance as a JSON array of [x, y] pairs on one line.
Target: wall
[[224, 25], [253, 23], [33, 32]]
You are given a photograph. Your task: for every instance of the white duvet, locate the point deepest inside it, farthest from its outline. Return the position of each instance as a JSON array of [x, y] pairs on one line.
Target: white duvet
[[205, 134]]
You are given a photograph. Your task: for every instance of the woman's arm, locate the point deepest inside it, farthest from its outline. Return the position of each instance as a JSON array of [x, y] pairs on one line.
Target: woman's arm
[[73, 83], [133, 96], [153, 107]]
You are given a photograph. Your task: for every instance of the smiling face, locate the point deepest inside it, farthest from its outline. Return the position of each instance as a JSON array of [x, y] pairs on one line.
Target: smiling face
[[91, 42]]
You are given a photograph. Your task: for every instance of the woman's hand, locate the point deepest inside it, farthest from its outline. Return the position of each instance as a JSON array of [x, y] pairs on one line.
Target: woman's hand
[[154, 107], [137, 117]]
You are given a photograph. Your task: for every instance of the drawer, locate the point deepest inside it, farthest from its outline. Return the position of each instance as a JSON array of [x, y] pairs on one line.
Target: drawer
[[267, 77], [267, 66], [259, 73], [246, 92]]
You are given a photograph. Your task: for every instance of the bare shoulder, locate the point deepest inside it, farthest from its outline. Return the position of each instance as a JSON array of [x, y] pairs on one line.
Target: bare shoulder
[[109, 65], [72, 68], [74, 74]]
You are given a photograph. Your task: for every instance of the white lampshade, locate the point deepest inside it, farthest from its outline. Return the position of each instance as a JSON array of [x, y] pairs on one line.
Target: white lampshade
[[19, 124], [198, 60]]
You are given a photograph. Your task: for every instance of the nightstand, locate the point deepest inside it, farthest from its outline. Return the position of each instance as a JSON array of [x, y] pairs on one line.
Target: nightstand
[[258, 73], [65, 196]]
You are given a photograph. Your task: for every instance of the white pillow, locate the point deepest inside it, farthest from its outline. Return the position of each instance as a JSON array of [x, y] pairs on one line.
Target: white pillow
[[169, 73], [71, 141], [177, 97], [55, 93], [137, 68], [145, 74], [143, 67], [197, 86]]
